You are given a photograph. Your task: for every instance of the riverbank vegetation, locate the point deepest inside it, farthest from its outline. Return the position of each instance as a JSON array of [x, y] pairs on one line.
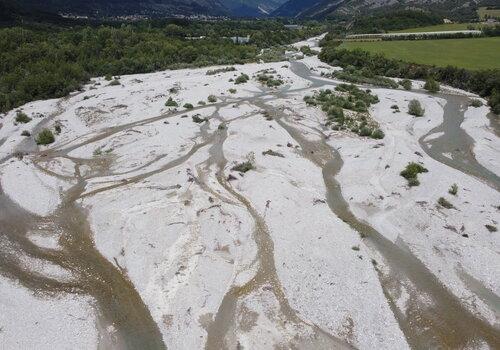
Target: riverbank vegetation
[[383, 22], [46, 61], [484, 82]]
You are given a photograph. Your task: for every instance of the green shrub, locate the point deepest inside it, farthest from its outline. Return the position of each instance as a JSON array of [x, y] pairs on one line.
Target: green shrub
[[431, 85], [232, 91], [336, 112], [171, 103], [22, 117], [108, 77], [212, 99], [411, 172], [476, 103], [415, 108], [269, 80], [377, 134], [365, 131], [243, 167], [220, 70], [453, 189], [202, 103], [306, 50], [406, 84], [270, 152], [242, 78], [45, 137], [188, 106], [444, 203], [25, 133], [198, 119]]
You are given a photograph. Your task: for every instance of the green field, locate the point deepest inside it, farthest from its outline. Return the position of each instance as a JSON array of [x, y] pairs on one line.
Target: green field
[[439, 27], [483, 11], [476, 53]]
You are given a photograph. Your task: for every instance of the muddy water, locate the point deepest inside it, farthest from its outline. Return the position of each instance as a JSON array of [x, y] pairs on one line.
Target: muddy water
[[118, 302], [265, 276], [456, 143], [442, 323]]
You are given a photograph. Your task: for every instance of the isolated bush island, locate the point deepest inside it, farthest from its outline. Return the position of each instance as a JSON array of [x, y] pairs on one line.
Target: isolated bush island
[[415, 108], [445, 203], [411, 172], [171, 103], [22, 117], [45, 137], [242, 78], [347, 108], [243, 167]]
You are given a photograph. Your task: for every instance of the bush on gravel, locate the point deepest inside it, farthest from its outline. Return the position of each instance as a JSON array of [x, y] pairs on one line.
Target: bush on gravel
[[45, 137], [444, 203], [243, 167], [171, 103], [415, 108], [22, 117], [242, 78], [411, 172]]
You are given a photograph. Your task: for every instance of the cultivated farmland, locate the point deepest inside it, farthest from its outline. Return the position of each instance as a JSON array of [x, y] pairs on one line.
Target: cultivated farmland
[[477, 53]]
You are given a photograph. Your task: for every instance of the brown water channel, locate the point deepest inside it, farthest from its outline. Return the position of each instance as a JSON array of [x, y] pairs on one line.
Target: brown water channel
[[443, 323]]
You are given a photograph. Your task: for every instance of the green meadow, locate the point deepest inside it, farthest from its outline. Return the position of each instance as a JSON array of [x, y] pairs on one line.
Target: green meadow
[[470, 53]]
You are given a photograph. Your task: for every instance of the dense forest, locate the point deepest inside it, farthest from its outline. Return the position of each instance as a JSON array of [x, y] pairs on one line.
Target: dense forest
[[41, 62], [380, 23], [485, 83]]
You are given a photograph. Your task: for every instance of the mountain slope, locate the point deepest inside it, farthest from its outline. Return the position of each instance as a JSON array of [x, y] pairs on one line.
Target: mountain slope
[[325, 8], [294, 8], [128, 7], [252, 8], [238, 8]]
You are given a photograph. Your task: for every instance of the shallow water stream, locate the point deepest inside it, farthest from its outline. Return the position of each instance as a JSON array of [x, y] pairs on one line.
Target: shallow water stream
[[443, 323]]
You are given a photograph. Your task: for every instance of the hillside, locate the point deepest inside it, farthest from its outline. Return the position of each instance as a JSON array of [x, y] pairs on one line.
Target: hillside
[[328, 8], [127, 7], [151, 8]]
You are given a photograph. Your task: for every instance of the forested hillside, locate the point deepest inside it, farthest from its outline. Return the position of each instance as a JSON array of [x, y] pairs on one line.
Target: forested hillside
[[454, 9]]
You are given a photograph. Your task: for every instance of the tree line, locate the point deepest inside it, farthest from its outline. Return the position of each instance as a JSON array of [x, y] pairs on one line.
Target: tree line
[[43, 62]]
